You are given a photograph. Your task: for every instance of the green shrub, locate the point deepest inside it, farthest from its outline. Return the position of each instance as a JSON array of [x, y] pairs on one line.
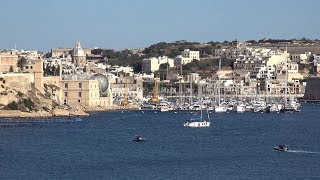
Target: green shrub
[[28, 103], [12, 106]]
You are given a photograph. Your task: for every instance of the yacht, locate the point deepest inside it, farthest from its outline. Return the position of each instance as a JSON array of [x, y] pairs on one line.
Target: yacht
[[200, 123], [221, 108], [163, 107], [240, 108]]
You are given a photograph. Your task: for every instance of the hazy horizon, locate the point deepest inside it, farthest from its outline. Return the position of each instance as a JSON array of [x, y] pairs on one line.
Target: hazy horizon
[[42, 25]]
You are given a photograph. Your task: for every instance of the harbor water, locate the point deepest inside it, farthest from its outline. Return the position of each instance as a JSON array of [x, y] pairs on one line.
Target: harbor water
[[236, 146]]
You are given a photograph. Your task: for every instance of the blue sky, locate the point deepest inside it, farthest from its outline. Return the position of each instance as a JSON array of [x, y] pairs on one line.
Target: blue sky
[[117, 24]]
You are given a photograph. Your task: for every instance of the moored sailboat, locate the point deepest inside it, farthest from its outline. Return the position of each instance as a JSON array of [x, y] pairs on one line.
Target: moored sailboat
[[199, 122]]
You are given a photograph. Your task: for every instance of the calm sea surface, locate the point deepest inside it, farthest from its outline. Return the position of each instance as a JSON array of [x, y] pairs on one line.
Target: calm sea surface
[[101, 147]]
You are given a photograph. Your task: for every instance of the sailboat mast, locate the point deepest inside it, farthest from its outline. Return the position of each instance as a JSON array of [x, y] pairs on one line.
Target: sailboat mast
[[286, 85], [199, 90], [219, 83], [191, 99]]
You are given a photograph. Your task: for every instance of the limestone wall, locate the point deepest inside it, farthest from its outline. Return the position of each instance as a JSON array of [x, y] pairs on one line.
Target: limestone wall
[[19, 81]]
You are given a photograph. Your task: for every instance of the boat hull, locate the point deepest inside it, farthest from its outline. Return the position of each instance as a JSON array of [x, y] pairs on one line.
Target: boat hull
[[197, 124]]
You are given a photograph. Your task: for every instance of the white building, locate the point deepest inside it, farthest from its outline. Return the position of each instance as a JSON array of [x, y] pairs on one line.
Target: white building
[[31, 55], [266, 72], [153, 64], [191, 54], [127, 70], [187, 56]]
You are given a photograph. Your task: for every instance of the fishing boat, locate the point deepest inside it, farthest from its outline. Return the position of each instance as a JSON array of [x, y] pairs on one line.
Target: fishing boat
[[281, 148], [139, 139]]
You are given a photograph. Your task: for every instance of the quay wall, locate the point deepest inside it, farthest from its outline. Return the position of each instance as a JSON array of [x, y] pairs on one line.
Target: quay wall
[[312, 92]]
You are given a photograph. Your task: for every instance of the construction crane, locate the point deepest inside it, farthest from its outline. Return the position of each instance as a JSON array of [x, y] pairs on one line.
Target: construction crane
[[155, 98], [126, 93]]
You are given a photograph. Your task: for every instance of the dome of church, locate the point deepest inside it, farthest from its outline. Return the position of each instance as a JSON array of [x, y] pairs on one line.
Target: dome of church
[[77, 50]]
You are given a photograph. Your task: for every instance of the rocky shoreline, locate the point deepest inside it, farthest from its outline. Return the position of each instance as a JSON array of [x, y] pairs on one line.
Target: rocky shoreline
[[60, 112], [39, 114]]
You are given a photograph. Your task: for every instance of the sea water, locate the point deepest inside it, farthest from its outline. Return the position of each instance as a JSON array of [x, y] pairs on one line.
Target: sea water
[[237, 145]]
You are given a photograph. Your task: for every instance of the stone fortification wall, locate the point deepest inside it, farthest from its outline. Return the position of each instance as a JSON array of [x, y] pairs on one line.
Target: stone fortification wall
[[312, 92], [18, 81]]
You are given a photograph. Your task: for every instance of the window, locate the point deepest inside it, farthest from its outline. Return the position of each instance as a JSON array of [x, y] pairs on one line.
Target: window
[[79, 100], [31, 67], [79, 94], [65, 85], [65, 94], [27, 67], [65, 101], [80, 85]]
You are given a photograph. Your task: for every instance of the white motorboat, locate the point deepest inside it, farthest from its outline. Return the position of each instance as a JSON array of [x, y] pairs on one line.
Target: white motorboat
[[197, 124], [163, 107], [240, 108], [221, 108]]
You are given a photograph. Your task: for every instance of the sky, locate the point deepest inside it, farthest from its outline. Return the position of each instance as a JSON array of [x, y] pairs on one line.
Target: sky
[[117, 24]]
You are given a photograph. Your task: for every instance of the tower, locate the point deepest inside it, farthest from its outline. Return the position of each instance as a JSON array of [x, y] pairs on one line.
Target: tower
[[38, 75]]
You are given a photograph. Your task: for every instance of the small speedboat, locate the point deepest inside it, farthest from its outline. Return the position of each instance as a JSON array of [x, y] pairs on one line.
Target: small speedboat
[[282, 148], [139, 139]]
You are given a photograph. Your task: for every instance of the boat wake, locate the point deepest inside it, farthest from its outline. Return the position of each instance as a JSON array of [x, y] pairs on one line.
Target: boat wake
[[302, 151]]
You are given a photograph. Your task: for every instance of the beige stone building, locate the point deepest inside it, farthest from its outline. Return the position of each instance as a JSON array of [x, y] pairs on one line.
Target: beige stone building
[[74, 92], [82, 93], [8, 60]]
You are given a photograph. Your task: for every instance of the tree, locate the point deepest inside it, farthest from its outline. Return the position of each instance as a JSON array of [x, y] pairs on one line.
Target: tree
[[22, 62], [163, 66], [11, 69], [97, 51], [252, 41]]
